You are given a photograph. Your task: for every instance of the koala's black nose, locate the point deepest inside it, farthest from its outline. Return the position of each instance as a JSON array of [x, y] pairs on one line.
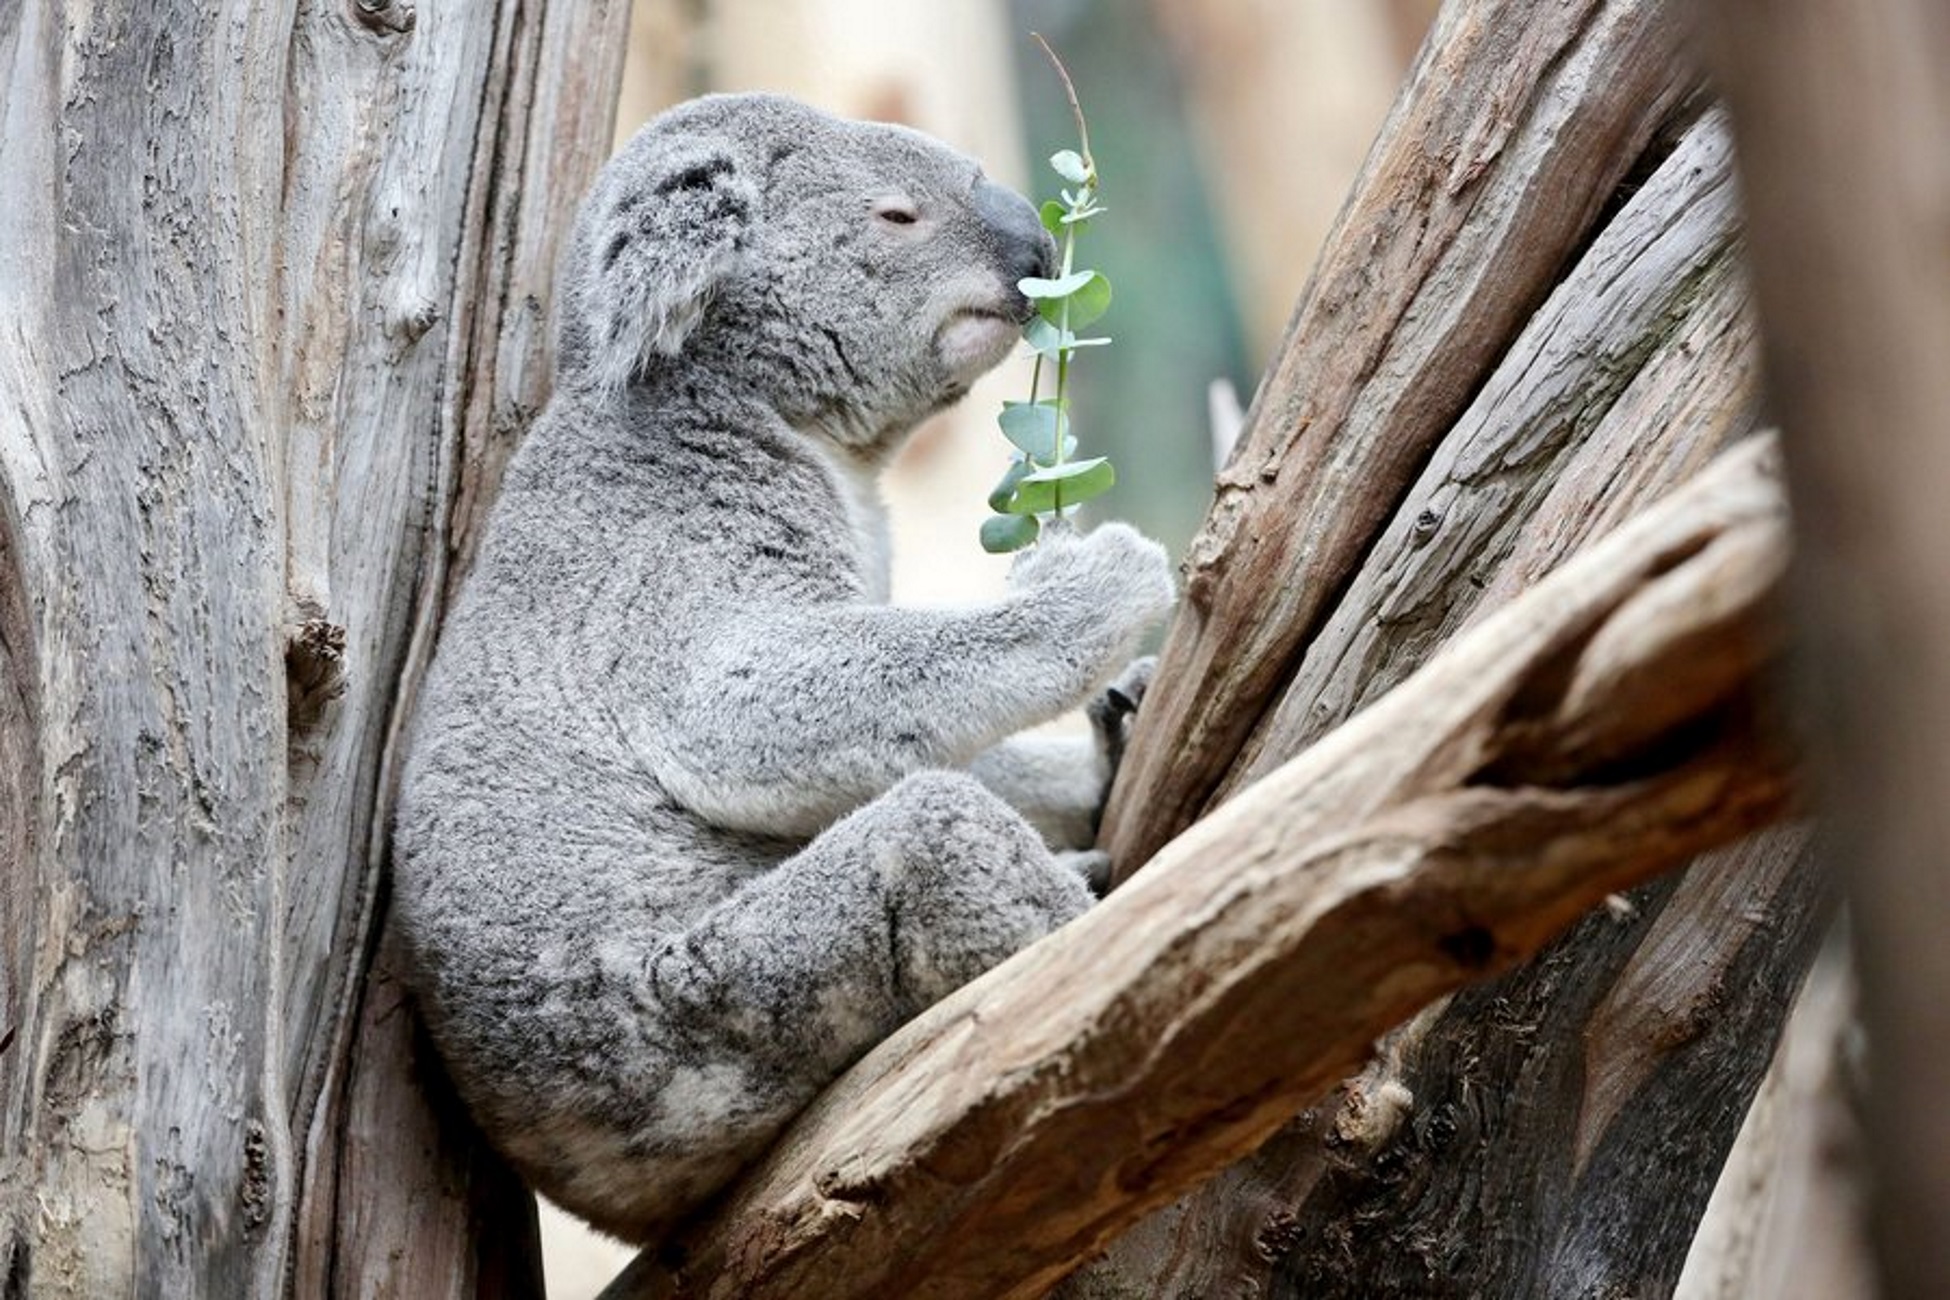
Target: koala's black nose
[[1026, 248]]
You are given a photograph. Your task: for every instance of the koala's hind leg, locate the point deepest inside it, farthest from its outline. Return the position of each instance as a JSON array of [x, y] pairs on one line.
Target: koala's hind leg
[[789, 980]]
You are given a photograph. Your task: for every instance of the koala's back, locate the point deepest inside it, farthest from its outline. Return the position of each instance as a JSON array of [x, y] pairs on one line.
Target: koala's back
[[536, 853]]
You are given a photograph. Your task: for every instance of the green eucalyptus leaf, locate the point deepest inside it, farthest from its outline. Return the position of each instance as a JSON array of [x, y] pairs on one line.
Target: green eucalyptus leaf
[[1069, 164], [1062, 287], [1068, 471], [1089, 302], [1004, 533], [1045, 490], [1031, 426], [1043, 337], [1054, 216], [1006, 487]]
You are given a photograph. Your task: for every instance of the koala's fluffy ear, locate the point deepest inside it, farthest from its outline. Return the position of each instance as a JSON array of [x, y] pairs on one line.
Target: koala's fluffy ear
[[664, 226]]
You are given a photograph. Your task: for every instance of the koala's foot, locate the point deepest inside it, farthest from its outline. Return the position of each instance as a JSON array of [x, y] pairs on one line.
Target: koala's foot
[[790, 979]]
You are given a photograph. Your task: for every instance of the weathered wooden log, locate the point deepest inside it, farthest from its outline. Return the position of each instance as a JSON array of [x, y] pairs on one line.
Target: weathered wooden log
[[1435, 838], [266, 302]]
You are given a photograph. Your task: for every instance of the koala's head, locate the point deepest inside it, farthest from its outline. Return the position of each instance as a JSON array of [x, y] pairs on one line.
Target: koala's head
[[856, 275]]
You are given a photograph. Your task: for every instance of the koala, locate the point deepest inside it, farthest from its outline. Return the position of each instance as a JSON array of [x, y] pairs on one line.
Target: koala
[[692, 817]]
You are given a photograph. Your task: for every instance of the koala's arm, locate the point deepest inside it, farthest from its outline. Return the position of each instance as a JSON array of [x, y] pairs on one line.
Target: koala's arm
[[789, 717]]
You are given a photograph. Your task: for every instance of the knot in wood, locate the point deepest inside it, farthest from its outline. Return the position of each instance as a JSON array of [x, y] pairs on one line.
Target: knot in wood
[[385, 16], [314, 662], [1424, 528]]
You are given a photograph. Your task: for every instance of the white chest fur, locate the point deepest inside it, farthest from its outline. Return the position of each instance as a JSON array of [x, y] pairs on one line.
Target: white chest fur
[[858, 486]]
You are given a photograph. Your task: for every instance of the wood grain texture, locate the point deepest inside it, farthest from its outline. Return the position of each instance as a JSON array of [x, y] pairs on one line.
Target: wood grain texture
[[1841, 112], [1640, 365], [1004, 1135], [246, 250], [1788, 1219], [1520, 120], [1560, 1130]]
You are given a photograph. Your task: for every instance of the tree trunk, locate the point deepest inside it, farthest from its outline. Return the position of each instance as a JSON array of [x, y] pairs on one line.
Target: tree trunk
[[273, 315], [1842, 111]]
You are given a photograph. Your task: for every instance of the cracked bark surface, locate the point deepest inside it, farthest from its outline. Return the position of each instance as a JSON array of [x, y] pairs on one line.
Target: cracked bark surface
[[269, 315]]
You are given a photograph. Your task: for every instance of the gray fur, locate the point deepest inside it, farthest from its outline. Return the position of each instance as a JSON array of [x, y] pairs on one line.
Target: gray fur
[[692, 818]]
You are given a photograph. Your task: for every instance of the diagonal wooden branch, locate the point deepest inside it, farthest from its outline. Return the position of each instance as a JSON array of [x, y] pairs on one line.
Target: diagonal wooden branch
[[1443, 834]]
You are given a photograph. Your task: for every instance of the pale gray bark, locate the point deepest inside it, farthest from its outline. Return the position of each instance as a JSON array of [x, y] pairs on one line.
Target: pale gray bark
[[269, 308]]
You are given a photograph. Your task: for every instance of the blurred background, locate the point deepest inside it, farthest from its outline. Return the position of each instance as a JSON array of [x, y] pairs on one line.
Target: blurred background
[[1226, 133]]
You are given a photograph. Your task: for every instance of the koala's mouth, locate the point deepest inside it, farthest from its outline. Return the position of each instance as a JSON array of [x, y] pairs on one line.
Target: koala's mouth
[[974, 339]]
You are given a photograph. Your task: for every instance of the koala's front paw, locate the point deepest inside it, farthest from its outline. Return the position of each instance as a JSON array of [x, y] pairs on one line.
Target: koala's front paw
[[1114, 711], [1113, 575]]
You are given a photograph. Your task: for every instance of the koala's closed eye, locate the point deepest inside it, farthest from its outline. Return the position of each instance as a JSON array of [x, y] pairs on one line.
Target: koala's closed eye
[[896, 210]]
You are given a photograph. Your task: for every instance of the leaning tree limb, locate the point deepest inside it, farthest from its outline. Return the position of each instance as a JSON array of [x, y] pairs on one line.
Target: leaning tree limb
[[1519, 123], [1445, 833], [1842, 111]]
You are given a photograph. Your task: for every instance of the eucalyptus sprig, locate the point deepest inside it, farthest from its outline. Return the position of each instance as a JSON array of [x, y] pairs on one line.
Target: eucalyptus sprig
[[1043, 480]]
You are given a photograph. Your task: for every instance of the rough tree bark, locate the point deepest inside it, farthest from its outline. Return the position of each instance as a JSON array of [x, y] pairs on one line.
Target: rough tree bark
[[270, 317], [1842, 112]]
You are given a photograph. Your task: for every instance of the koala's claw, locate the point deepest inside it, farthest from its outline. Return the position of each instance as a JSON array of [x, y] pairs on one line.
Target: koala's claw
[[1121, 698], [1114, 710]]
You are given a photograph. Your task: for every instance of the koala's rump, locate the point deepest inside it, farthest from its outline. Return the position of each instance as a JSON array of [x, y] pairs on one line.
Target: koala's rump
[[531, 881]]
